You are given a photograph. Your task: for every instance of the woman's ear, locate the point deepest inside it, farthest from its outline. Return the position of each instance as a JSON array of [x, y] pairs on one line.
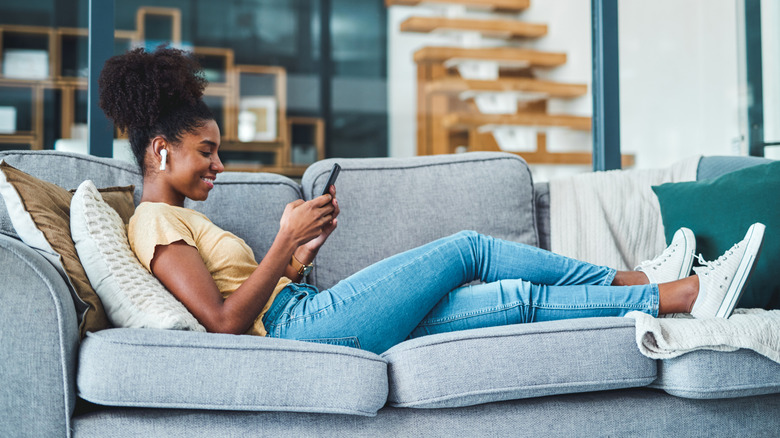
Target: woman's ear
[[160, 151]]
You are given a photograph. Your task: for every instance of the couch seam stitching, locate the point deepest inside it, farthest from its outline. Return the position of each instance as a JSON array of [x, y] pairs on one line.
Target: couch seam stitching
[[505, 388], [214, 347], [512, 335]]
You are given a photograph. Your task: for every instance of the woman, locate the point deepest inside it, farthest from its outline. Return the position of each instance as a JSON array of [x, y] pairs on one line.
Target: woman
[[157, 98]]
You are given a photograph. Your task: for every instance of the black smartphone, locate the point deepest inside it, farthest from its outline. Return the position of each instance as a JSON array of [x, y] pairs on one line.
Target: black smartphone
[[334, 173]]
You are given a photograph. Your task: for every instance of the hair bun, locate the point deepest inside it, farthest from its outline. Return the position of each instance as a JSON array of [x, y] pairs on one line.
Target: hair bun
[[137, 88]]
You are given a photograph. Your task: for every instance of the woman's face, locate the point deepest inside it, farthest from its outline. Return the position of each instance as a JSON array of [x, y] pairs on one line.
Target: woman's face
[[193, 165]]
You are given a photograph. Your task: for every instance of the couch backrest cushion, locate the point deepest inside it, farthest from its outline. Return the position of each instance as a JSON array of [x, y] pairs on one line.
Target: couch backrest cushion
[[389, 205]]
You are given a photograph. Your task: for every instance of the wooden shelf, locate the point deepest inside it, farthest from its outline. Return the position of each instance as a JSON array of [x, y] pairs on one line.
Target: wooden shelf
[[456, 85], [486, 142], [288, 171], [503, 55], [250, 146], [496, 28], [497, 5], [471, 120]]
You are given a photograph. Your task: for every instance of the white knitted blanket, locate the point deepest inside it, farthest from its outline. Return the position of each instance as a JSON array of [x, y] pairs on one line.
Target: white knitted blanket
[[665, 338], [612, 218]]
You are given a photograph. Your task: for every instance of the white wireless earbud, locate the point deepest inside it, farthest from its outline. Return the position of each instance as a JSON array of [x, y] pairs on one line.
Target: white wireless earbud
[[164, 154]]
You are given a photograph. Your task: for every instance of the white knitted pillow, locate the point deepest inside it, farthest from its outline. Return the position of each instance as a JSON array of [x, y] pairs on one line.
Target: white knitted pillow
[[131, 295]]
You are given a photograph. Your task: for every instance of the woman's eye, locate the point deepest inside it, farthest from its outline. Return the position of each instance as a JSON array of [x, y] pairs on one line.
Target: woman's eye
[[206, 154]]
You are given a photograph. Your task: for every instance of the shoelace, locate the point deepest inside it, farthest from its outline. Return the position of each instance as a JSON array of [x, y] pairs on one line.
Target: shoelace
[[711, 265], [666, 255]]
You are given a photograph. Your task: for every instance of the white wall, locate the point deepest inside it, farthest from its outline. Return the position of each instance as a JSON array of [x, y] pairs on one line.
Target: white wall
[[679, 77], [770, 45]]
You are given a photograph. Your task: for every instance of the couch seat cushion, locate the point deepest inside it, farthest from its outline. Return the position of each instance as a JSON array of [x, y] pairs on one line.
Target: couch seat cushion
[[174, 369], [518, 361], [707, 374]]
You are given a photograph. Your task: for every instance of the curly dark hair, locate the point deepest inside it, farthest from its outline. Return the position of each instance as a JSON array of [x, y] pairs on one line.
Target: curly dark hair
[[153, 93]]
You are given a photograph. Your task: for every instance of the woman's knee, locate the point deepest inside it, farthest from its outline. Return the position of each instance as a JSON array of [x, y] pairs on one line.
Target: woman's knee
[[467, 234]]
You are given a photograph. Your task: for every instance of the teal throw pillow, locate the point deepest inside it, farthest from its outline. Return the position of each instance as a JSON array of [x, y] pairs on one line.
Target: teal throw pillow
[[720, 210]]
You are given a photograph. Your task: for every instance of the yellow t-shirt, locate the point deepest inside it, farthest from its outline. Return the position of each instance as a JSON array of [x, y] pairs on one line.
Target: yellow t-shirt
[[227, 257]]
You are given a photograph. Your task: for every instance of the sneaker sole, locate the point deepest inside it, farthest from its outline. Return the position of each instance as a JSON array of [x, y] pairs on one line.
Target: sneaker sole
[[745, 269], [685, 268]]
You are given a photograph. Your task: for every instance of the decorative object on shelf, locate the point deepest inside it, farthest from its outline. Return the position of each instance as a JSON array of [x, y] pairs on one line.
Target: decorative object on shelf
[[25, 64], [257, 119], [513, 138], [7, 120], [482, 71]]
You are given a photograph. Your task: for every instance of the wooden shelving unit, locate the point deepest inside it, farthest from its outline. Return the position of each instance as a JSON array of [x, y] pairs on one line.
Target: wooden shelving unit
[[454, 111], [224, 93]]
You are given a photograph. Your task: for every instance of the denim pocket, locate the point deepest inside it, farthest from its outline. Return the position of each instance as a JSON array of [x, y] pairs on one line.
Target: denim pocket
[[349, 341]]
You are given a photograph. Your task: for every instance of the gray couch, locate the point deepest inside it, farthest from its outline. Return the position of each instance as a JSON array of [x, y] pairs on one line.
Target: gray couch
[[567, 378]]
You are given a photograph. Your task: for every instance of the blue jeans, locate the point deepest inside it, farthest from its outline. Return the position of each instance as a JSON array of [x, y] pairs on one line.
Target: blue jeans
[[425, 291]]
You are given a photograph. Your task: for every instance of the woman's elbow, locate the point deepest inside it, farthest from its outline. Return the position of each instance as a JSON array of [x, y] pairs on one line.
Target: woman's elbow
[[224, 325]]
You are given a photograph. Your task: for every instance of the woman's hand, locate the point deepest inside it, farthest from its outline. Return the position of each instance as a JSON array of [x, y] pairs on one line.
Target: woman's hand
[[314, 245], [305, 221]]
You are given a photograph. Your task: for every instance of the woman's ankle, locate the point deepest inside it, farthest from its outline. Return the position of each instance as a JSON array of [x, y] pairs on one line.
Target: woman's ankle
[[630, 278], [678, 296]]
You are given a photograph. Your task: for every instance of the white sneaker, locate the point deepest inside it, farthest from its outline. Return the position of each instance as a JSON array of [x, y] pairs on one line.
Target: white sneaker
[[675, 262], [722, 281]]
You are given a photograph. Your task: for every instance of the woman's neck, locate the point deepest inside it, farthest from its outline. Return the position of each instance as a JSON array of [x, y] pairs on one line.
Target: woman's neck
[[155, 191]]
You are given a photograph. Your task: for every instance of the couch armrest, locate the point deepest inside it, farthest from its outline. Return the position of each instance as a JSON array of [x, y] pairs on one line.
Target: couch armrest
[[38, 344]]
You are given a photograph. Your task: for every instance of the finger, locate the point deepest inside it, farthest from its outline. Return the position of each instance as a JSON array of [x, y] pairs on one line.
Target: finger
[[325, 220], [336, 208], [327, 208], [323, 199]]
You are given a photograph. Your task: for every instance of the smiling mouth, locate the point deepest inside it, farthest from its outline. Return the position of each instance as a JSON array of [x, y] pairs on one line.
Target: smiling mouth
[[209, 181]]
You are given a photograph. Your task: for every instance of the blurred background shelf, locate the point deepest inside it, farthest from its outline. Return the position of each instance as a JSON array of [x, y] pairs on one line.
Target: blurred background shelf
[[43, 77]]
